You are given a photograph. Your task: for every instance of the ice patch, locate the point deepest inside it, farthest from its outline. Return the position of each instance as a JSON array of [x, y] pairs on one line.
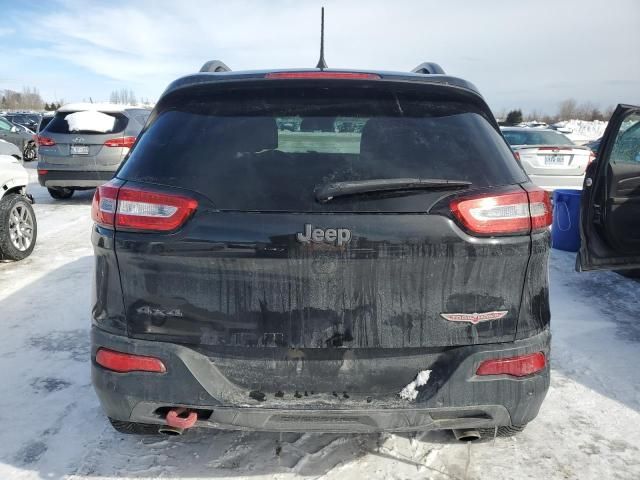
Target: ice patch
[[90, 121], [410, 392]]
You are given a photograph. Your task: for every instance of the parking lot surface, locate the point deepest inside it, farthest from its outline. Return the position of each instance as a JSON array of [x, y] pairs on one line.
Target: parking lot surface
[[53, 427]]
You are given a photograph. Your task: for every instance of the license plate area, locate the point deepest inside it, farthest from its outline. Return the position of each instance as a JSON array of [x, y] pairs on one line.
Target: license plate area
[[559, 160], [79, 149]]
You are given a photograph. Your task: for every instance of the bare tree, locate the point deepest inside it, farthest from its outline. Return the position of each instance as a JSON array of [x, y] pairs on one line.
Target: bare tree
[[123, 96], [567, 109]]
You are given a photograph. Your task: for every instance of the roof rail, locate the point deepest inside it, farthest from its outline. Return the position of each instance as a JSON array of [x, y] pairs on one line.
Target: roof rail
[[214, 66], [428, 68]]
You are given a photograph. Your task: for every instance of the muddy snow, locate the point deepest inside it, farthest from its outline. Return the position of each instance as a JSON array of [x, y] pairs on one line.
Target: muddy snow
[[52, 426]]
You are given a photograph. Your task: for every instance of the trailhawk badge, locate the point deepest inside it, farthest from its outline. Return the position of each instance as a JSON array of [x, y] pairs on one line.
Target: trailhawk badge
[[474, 318], [334, 236]]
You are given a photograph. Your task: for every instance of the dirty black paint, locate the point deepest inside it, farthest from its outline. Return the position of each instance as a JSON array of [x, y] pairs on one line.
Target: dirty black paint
[[243, 280]]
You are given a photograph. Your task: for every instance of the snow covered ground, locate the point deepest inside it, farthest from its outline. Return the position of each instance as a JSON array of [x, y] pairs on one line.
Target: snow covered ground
[[583, 131], [52, 426]]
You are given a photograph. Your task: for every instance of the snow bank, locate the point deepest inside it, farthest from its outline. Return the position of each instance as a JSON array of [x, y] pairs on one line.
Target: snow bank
[[582, 131], [91, 121], [410, 392]]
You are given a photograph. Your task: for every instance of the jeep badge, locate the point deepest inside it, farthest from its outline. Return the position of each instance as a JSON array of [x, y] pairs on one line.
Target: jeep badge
[[334, 236]]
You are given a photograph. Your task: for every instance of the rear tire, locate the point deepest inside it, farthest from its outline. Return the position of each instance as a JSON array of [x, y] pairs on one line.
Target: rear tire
[[18, 228], [60, 193], [131, 428], [503, 432]]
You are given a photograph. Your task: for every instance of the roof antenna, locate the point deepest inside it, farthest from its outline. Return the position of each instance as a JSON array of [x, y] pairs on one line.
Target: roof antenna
[[321, 63]]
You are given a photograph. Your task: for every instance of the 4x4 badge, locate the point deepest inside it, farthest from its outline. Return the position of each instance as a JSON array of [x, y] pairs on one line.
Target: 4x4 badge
[[474, 318], [334, 236]]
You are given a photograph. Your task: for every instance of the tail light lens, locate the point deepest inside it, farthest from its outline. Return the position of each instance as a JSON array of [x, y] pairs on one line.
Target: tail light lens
[[517, 155], [42, 171], [134, 208], [45, 141], [103, 207], [520, 366], [125, 362], [540, 208], [510, 213], [592, 157], [126, 142]]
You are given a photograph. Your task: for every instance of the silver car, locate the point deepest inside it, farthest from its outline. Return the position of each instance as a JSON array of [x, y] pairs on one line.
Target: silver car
[[84, 144], [550, 158]]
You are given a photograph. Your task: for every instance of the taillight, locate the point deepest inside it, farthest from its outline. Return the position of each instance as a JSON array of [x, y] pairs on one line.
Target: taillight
[[494, 214], [540, 207], [510, 213], [125, 362], [42, 171], [325, 75], [134, 208], [517, 155], [103, 207], [121, 142], [520, 366], [145, 210], [45, 141], [592, 157]]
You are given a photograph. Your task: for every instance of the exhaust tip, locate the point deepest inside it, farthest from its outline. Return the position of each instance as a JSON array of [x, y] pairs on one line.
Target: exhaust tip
[[170, 431], [466, 435]]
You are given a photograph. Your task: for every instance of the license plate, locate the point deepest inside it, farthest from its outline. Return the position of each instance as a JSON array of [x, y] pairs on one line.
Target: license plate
[[79, 150], [554, 159]]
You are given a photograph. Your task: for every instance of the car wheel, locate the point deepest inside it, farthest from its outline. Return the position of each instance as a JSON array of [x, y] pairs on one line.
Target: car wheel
[[29, 153], [502, 432], [131, 428], [18, 228], [60, 193]]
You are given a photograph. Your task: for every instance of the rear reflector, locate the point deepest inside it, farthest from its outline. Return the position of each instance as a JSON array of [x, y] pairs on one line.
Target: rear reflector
[[326, 75], [135, 208], [45, 141], [514, 366], [126, 142], [125, 362], [511, 213]]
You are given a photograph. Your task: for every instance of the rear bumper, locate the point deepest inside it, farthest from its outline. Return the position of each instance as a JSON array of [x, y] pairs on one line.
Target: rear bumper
[[553, 182], [453, 398], [73, 178], [458, 399]]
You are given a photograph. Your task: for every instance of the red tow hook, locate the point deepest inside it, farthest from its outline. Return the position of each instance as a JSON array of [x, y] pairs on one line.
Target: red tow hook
[[181, 418]]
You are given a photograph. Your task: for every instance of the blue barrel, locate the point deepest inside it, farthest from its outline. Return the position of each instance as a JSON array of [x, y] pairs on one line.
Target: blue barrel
[[565, 233]]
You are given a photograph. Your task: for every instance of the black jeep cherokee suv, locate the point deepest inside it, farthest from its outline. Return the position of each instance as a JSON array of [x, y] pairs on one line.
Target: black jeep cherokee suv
[[321, 250]]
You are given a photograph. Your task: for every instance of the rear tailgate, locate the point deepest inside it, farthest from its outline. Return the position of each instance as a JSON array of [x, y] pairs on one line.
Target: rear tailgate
[[83, 148], [261, 262]]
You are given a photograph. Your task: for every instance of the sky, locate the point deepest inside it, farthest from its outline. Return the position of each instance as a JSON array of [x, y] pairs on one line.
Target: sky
[[520, 54]]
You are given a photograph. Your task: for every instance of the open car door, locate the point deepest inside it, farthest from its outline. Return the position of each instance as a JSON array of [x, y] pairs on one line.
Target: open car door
[[610, 208]]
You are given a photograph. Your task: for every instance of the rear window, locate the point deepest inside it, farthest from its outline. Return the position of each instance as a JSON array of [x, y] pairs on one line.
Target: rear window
[[59, 124], [533, 137], [271, 150]]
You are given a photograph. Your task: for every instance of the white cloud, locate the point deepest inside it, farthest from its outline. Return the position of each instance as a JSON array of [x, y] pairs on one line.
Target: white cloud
[[6, 31]]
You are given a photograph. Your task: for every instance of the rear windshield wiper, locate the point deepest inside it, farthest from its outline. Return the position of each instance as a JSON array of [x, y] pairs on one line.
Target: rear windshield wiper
[[330, 191]]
